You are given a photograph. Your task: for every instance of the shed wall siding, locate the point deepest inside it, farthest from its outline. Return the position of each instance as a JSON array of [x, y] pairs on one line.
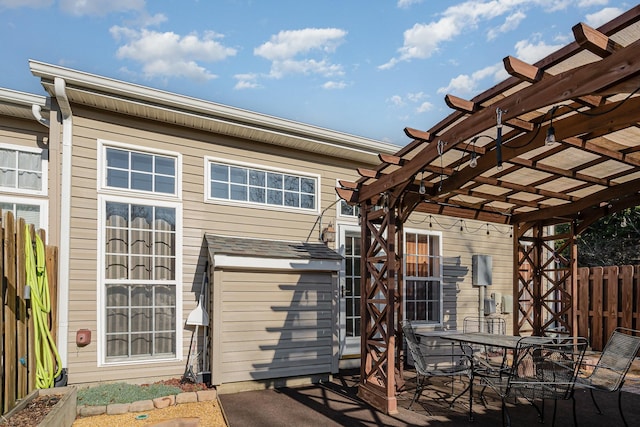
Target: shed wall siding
[[273, 325]]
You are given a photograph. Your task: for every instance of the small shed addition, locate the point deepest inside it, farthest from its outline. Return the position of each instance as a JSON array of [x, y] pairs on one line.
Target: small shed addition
[[273, 310]]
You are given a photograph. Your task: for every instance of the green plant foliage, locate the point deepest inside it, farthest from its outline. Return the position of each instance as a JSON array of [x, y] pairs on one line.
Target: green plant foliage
[[105, 394]]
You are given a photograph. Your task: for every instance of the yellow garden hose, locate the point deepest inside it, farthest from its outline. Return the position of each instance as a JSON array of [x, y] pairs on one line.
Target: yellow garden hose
[[48, 365]]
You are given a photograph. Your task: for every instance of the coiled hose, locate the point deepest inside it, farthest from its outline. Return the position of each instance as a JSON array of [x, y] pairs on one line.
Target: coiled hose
[[48, 365]]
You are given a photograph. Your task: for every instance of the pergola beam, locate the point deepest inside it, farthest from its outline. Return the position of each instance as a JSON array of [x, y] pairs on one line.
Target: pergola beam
[[553, 90]]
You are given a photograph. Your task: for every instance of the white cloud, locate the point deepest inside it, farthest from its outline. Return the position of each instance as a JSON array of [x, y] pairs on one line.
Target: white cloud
[[510, 23], [605, 15], [152, 20], [411, 99], [416, 97], [589, 3], [287, 44], [425, 39], [404, 4], [291, 52], [396, 100], [334, 85], [424, 107], [531, 52], [14, 4], [169, 54], [465, 84], [100, 7], [246, 81]]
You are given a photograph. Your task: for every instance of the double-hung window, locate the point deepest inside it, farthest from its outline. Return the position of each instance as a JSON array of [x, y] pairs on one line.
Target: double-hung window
[[23, 183], [141, 223], [423, 277], [259, 186]]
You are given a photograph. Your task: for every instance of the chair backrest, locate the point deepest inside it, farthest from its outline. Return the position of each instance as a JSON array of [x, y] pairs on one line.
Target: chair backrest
[[414, 347], [434, 357], [490, 325], [615, 359], [546, 368]]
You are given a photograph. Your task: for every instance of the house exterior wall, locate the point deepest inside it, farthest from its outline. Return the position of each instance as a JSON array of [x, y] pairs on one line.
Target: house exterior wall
[[460, 297], [91, 127], [17, 132]]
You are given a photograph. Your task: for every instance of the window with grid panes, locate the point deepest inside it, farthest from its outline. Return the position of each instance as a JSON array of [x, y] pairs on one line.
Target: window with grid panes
[[262, 187], [423, 277], [140, 256]]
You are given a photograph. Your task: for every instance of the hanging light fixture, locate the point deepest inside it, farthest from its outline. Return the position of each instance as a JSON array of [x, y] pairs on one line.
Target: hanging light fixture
[[550, 139], [473, 162], [499, 138], [423, 189]]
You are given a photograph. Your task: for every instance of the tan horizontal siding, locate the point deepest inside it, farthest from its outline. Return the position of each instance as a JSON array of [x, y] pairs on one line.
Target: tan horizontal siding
[[90, 125], [268, 372], [264, 342], [274, 324]]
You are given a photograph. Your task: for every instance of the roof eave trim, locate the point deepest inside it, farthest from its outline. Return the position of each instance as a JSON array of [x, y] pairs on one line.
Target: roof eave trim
[[22, 98], [159, 97], [268, 263]]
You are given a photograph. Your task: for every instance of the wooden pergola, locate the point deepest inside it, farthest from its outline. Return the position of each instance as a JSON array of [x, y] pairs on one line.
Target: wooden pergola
[[494, 160]]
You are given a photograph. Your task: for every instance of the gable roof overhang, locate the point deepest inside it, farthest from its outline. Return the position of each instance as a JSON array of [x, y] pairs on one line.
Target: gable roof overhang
[[153, 104], [588, 92]]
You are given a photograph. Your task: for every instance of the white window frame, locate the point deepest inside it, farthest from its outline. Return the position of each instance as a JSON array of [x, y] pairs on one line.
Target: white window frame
[[44, 164], [102, 170], [341, 215], [439, 278], [42, 203], [207, 186], [340, 203], [122, 195]]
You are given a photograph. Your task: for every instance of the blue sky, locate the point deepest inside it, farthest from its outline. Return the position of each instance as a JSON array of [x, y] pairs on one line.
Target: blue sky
[[364, 67]]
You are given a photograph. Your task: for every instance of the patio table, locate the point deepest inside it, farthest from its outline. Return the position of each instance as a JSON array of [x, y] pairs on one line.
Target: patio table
[[484, 338], [507, 342]]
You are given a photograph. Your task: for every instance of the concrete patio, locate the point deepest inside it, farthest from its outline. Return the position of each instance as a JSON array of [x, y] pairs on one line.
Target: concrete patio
[[336, 404]]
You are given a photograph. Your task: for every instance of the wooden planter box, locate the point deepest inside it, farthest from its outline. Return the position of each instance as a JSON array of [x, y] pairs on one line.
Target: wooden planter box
[[63, 413]]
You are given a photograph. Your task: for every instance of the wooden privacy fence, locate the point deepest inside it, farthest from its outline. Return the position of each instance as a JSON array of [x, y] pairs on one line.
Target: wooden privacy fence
[[608, 297], [18, 371]]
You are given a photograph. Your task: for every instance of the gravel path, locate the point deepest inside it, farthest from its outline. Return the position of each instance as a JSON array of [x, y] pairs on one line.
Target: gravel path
[[200, 414]]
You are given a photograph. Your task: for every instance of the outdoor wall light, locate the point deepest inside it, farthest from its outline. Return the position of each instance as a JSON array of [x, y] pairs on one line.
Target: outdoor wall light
[[329, 234]]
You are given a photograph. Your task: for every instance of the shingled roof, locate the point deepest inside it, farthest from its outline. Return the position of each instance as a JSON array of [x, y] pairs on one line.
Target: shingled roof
[[263, 248]]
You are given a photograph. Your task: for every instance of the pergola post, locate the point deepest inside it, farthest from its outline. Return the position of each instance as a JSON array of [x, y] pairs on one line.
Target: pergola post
[[379, 302], [546, 280]]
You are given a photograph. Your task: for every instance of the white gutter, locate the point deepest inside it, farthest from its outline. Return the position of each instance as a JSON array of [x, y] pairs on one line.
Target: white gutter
[[36, 111], [65, 219]]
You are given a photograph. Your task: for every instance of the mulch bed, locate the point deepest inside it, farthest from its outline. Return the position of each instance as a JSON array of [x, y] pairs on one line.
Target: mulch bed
[[33, 413]]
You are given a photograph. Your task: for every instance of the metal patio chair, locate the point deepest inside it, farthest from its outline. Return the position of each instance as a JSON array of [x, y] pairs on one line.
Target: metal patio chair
[[543, 368], [438, 360], [611, 369], [488, 360]]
